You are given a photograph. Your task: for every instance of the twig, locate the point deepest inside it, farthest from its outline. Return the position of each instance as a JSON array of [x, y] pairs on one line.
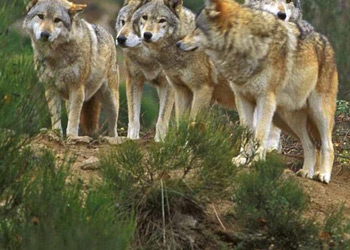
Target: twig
[[163, 211], [218, 218]]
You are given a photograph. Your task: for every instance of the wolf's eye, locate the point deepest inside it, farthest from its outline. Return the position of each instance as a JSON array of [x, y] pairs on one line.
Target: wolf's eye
[[57, 20], [163, 20], [288, 1], [41, 16], [145, 18]]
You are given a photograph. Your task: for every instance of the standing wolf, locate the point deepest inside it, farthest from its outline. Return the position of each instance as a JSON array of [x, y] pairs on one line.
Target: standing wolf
[[141, 67], [197, 83], [76, 61], [271, 69], [160, 24]]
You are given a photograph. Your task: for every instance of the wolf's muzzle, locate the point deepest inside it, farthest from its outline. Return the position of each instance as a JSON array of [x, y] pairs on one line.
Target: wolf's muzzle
[[147, 36], [282, 15], [121, 40], [45, 36]]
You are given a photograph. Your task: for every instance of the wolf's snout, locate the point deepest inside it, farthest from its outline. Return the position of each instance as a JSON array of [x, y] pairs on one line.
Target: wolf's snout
[[121, 40], [281, 15], [45, 35], [147, 35]]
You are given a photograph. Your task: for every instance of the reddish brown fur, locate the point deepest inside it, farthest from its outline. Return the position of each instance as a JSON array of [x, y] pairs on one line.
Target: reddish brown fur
[[90, 114]]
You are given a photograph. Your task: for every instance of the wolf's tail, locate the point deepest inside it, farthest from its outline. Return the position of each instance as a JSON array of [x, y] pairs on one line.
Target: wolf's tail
[[90, 115]]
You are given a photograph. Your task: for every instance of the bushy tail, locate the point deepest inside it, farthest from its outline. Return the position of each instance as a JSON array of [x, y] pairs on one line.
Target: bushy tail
[[90, 115]]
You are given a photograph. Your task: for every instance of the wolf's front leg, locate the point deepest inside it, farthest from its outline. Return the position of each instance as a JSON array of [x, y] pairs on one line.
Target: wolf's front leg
[[134, 87], [246, 118], [76, 100], [166, 95], [265, 108], [54, 102]]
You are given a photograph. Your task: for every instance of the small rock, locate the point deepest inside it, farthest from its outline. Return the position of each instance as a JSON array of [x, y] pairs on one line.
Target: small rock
[[114, 140], [92, 163]]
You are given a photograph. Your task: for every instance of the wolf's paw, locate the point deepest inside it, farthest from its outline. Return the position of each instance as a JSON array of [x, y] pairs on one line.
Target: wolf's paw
[[113, 140], [239, 160], [323, 176], [304, 173], [73, 139], [133, 134]]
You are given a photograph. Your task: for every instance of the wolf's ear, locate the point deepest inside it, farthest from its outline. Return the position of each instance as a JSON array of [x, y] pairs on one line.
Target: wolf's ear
[[174, 5], [213, 8], [31, 4], [75, 9]]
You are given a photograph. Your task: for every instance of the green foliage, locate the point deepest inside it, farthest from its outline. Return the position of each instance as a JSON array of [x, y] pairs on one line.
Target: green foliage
[[343, 108], [335, 234], [267, 202], [149, 108], [44, 207], [165, 181]]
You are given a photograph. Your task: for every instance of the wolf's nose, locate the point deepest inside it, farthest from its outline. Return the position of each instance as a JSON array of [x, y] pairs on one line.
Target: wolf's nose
[[45, 35], [178, 44], [121, 39], [147, 35], [281, 15]]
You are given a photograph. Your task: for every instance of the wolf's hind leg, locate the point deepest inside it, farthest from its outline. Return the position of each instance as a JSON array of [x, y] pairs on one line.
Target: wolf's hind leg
[[297, 121], [183, 100], [201, 99], [323, 116], [166, 103], [110, 102]]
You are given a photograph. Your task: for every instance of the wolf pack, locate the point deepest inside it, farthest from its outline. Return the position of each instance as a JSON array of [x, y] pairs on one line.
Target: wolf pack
[[260, 58]]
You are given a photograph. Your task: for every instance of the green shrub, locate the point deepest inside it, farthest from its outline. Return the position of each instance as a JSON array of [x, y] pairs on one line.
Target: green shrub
[[45, 209], [267, 202], [166, 181]]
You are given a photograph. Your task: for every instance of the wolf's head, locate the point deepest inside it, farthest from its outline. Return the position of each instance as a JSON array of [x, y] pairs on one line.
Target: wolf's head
[[126, 37], [48, 20], [157, 20], [287, 10], [211, 23]]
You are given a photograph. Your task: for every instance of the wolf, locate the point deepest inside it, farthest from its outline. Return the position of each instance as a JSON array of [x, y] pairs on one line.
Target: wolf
[[287, 10], [76, 61], [160, 24], [273, 72], [194, 77], [140, 68]]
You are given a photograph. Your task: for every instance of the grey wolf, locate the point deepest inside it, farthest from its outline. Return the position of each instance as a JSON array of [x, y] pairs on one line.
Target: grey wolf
[[287, 10], [194, 77], [76, 61], [274, 72], [160, 24], [141, 68]]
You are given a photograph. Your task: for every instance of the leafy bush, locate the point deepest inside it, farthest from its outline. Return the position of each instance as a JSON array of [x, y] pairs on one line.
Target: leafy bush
[[271, 206], [164, 182], [45, 209]]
